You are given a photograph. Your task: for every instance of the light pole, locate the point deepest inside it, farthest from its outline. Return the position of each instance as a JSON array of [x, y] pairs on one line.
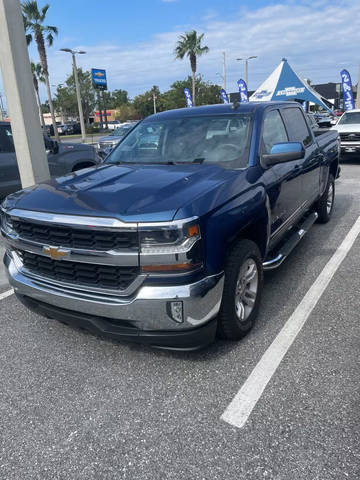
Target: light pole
[[224, 70], [246, 67], [81, 115]]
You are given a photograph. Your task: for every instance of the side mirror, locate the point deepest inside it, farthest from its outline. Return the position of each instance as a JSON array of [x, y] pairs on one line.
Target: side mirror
[[283, 152]]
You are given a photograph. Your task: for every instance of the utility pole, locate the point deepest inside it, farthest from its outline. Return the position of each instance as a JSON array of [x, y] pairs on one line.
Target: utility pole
[[100, 109], [224, 70], [246, 73], [105, 112], [20, 96], [358, 91], [154, 100], [77, 86], [2, 110]]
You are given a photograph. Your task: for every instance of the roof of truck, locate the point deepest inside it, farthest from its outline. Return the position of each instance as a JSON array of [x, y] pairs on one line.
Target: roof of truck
[[219, 109]]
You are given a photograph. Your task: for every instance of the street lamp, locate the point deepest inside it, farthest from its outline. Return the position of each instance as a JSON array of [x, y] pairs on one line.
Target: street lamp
[[246, 66], [81, 115]]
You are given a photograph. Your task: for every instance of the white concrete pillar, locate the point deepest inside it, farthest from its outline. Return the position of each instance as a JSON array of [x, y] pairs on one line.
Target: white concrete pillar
[[20, 96]]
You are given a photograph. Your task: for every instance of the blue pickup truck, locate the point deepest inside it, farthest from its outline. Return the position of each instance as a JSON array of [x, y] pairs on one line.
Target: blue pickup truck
[[166, 242]]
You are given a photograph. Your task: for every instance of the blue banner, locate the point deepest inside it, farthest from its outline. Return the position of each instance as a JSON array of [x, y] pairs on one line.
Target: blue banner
[[305, 106], [189, 102], [347, 89], [99, 78], [224, 96], [244, 97]]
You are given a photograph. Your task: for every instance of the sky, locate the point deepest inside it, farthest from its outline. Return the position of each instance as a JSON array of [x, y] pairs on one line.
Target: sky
[[134, 40]]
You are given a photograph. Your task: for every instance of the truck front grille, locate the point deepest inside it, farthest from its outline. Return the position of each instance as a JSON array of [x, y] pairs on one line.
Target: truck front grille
[[75, 237], [350, 137], [77, 273]]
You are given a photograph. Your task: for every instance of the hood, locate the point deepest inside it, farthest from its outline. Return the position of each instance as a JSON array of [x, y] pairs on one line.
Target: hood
[[110, 138], [131, 193], [347, 127]]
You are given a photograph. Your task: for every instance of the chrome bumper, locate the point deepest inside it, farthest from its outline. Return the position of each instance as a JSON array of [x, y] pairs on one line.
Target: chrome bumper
[[147, 308]]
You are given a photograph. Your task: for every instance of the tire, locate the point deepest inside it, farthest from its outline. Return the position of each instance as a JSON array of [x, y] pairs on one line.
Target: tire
[[234, 321], [325, 205]]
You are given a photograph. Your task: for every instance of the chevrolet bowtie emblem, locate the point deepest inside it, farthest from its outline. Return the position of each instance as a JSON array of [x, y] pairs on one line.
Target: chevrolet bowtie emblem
[[56, 253]]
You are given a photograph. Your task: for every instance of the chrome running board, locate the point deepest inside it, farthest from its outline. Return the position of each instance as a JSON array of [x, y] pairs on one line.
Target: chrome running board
[[283, 252]]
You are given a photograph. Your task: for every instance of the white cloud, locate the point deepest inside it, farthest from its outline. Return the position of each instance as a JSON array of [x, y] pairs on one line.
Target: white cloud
[[318, 38]]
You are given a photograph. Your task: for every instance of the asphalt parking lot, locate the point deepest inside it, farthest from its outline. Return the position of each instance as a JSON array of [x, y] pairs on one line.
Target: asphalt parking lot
[[74, 406]]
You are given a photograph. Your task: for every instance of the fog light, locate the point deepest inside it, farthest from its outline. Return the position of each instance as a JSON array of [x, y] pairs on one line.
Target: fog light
[[176, 311]]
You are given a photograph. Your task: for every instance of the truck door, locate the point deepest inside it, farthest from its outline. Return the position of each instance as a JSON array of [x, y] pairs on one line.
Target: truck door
[[299, 131], [285, 194], [9, 173]]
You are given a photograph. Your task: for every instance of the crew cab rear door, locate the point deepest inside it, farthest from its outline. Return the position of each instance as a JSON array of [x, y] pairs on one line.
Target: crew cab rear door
[[286, 193], [299, 131], [9, 172]]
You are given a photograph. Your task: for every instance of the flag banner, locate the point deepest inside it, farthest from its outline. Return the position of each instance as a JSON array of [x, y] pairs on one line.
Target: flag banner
[[224, 96], [189, 102], [347, 89], [244, 97], [305, 106]]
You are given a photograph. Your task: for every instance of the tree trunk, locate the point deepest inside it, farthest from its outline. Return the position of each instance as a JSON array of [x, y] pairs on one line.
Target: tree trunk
[[51, 107], [43, 60], [40, 112], [193, 86]]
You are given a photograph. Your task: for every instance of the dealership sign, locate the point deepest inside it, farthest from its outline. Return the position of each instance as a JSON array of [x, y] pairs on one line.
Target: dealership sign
[[347, 89], [99, 78]]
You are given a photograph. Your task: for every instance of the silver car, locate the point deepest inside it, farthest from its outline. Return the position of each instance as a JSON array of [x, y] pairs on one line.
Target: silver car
[[107, 143]]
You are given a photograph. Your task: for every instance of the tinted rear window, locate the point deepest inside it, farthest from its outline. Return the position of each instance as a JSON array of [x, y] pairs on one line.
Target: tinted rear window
[[296, 126]]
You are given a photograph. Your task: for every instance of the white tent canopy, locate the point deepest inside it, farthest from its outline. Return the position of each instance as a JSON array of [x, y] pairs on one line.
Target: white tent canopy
[[285, 84]]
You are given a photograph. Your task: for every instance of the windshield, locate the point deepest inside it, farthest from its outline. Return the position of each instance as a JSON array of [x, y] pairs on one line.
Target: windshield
[[350, 117], [214, 140], [120, 131]]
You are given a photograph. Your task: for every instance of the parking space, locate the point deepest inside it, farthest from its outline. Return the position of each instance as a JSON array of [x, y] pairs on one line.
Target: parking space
[[76, 406]]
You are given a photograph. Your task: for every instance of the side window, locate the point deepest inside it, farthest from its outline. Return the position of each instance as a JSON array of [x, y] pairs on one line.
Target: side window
[[6, 139], [273, 130], [296, 125]]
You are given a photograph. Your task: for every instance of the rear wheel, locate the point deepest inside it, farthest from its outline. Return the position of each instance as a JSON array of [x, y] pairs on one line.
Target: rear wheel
[[242, 291], [325, 204]]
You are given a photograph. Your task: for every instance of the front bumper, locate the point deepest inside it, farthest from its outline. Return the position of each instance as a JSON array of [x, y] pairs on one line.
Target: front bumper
[[142, 317]]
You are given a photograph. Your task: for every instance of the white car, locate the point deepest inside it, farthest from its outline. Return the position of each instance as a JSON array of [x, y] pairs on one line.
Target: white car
[[114, 124], [349, 130]]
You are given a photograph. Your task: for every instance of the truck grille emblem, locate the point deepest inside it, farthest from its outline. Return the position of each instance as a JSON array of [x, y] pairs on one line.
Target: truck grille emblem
[[56, 253]]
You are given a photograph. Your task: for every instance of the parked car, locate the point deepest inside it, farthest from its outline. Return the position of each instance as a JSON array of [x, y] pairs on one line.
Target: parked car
[[69, 129], [49, 129], [105, 144], [62, 157], [114, 124], [167, 242], [349, 130]]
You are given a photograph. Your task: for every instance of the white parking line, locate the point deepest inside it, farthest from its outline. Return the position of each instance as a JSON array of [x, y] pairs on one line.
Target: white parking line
[[6, 294], [240, 408]]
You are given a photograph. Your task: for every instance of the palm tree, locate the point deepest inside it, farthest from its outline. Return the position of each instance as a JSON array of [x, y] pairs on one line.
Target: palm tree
[[190, 44], [38, 76], [40, 33]]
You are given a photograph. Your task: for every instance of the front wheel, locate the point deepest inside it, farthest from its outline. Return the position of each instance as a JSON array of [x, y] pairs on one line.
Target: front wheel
[[325, 204], [242, 291]]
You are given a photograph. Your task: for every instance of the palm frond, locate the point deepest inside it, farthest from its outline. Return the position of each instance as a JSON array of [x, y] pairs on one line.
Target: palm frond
[[44, 10]]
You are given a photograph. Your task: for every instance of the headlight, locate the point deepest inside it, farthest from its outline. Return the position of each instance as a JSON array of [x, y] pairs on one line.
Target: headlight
[[169, 239], [6, 223], [175, 247]]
